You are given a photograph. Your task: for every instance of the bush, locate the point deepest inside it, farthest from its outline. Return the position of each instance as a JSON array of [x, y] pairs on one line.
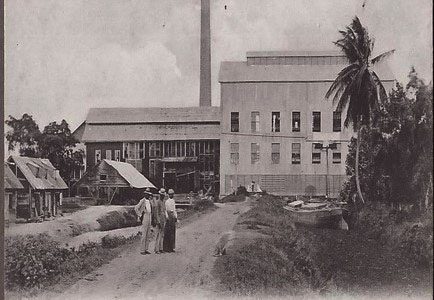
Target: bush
[[118, 219], [32, 261], [416, 243], [112, 241], [241, 190], [233, 198]]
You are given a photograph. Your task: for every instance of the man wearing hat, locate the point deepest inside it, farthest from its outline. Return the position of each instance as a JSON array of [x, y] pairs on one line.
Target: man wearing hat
[[143, 211], [170, 228], [160, 221]]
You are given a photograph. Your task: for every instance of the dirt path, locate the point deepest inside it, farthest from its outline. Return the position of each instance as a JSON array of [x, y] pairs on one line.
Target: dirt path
[[182, 274]]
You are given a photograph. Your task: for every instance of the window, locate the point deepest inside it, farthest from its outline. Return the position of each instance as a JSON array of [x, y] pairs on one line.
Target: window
[[275, 121], [235, 122], [296, 121], [155, 149], [296, 153], [336, 156], [190, 149], [235, 154], [255, 121], [117, 155], [254, 153], [102, 177], [97, 156], [275, 153], [337, 121], [133, 150], [108, 154], [316, 121], [316, 153]]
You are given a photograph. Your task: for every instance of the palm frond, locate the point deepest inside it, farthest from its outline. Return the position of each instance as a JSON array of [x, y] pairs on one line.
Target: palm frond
[[344, 73], [382, 90], [382, 56]]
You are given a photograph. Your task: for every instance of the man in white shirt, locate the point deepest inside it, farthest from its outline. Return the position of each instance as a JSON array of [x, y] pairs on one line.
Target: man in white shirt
[[170, 228], [143, 211]]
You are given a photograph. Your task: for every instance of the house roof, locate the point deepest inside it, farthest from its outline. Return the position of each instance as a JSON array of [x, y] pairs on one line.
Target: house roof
[[134, 178], [144, 115], [242, 72], [39, 172], [11, 181], [302, 53], [141, 132]]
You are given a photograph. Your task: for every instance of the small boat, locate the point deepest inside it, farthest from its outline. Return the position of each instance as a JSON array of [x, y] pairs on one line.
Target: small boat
[[320, 215]]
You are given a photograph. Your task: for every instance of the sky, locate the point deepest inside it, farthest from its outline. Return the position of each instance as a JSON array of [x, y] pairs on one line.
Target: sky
[[64, 56]]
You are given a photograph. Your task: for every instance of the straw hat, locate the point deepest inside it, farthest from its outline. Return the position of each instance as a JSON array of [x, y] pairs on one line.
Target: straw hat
[[148, 191], [162, 191], [171, 192]]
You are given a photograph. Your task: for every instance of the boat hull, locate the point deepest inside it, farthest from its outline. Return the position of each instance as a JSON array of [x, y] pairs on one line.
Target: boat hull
[[321, 218]]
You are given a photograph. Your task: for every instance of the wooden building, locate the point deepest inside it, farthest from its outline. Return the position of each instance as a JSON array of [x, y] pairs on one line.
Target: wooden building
[[278, 129], [175, 148], [115, 182], [12, 188], [43, 187]]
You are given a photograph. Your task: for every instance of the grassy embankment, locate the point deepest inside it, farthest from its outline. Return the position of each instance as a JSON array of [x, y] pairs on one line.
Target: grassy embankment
[[269, 256]]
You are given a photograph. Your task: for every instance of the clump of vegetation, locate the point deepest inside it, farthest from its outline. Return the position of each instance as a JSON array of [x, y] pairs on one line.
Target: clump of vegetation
[[33, 262], [202, 204], [233, 198], [281, 264], [118, 219]]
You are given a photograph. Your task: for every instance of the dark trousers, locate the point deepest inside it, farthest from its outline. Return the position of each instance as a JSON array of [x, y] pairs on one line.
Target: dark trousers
[[169, 233]]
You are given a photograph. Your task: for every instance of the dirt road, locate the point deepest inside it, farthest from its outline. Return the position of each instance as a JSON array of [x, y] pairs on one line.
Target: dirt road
[[183, 274]]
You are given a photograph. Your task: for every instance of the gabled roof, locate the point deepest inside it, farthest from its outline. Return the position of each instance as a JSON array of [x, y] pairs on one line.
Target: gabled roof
[[39, 172], [240, 71], [11, 181], [146, 115], [134, 178]]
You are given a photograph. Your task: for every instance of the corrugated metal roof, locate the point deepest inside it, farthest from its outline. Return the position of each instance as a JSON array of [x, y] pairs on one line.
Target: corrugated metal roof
[[303, 53], [141, 132], [11, 181], [241, 72], [47, 178], [153, 115], [130, 174]]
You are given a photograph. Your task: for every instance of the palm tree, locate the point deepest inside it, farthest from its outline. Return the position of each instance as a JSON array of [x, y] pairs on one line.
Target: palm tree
[[357, 87]]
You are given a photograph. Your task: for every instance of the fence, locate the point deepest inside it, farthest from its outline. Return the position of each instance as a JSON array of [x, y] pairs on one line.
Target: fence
[[289, 184]]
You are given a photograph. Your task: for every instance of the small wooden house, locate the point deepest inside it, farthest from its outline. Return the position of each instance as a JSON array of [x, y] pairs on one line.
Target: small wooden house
[[115, 182], [43, 187], [12, 187]]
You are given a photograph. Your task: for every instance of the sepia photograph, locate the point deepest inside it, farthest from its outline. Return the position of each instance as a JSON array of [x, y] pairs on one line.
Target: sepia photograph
[[217, 149]]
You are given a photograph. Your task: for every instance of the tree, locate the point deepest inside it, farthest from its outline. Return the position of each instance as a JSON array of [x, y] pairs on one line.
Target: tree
[[396, 156], [357, 87], [57, 144], [24, 133]]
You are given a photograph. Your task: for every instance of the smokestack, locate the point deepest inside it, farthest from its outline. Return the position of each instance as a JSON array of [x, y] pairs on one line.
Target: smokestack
[[205, 54]]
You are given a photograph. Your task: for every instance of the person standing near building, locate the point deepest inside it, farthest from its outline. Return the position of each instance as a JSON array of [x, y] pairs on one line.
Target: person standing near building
[[170, 228], [143, 211], [160, 221]]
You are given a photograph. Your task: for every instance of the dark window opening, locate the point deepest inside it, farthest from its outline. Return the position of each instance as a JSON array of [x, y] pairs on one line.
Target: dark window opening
[[337, 121], [316, 121], [275, 121], [235, 122], [296, 121]]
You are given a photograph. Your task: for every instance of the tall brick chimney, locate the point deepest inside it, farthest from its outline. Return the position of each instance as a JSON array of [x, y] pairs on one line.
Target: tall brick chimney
[[205, 54]]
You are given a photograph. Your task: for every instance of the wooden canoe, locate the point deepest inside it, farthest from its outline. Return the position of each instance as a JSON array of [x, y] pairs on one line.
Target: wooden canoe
[[327, 217]]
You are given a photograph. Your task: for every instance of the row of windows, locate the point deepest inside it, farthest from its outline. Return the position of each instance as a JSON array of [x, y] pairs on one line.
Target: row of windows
[[297, 60], [275, 121], [135, 150], [295, 153], [108, 155]]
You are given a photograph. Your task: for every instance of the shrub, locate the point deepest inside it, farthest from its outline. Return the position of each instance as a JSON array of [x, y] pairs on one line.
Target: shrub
[[32, 261], [233, 198], [241, 190], [118, 219], [112, 241], [416, 243]]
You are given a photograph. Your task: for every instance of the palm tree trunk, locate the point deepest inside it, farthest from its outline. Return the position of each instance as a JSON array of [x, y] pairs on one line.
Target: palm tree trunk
[[359, 190]]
